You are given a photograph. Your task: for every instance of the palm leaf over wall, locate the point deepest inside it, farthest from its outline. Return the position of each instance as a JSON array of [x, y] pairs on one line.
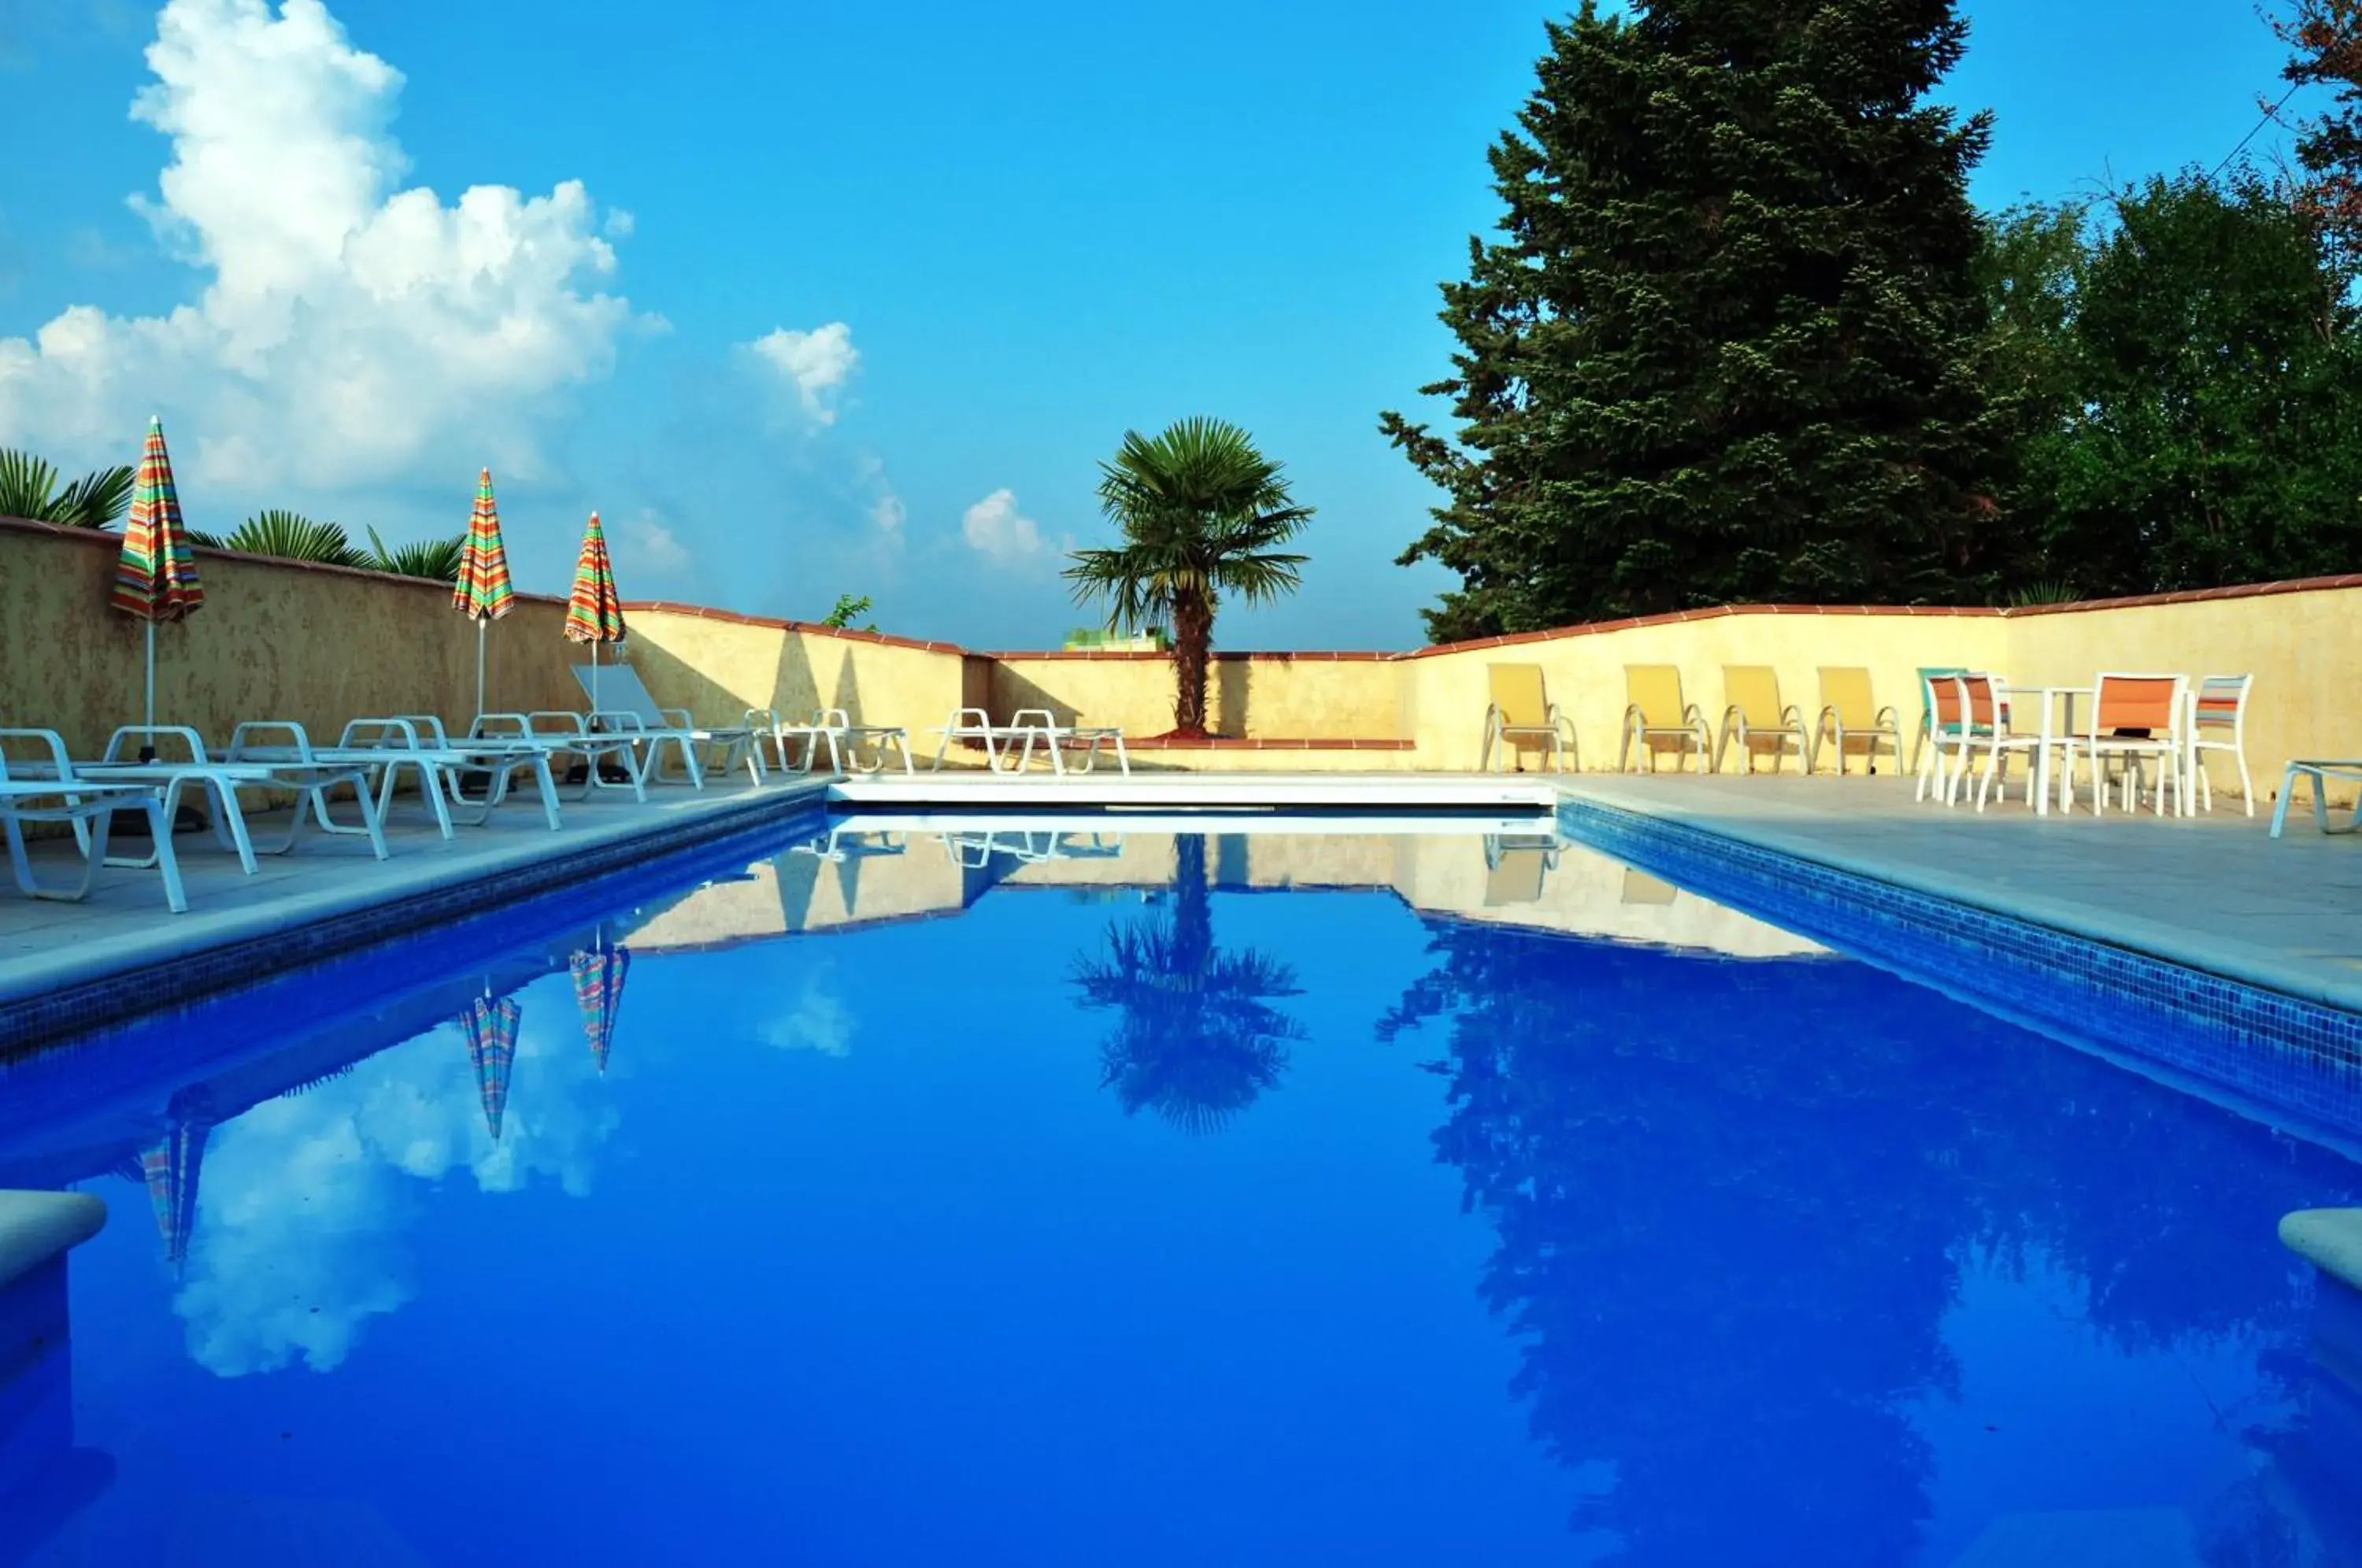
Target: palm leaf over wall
[[434, 559], [29, 487], [290, 535]]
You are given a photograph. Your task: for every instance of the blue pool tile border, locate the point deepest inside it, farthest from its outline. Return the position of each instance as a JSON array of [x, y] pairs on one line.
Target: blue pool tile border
[[32, 1021], [2278, 1050]]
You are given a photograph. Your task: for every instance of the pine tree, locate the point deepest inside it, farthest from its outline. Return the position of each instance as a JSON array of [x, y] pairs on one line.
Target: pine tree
[[1724, 347]]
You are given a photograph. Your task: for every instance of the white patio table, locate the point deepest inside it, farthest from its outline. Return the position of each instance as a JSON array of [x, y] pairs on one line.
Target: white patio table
[[2049, 700]]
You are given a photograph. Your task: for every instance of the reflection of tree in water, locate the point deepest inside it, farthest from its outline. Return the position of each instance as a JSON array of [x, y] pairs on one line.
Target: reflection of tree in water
[[1196, 1038], [1734, 1201]]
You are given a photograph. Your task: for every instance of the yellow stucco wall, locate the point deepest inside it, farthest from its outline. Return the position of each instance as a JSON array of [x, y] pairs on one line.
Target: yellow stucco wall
[[1444, 695], [1298, 699], [274, 640], [719, 667], [320, 646]]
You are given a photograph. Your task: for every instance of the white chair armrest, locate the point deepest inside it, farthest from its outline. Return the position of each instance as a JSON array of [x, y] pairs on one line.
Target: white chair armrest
[[149, 734], [52, 742], [247, 739]]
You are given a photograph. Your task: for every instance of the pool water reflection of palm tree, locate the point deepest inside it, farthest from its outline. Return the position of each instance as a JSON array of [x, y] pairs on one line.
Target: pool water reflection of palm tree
[[1196, 1039]]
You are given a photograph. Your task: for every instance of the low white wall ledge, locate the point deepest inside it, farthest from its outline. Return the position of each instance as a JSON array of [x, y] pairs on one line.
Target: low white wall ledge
[[37, 1225], [2329, 1239]]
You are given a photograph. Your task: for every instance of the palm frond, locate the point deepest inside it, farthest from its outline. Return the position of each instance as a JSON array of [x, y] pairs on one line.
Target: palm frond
[[28, 485], [436, 560], [293, 536], [99, 499]]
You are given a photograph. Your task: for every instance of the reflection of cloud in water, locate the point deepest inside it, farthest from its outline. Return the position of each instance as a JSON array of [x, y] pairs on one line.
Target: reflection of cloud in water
[[300, 1235], [818, 1021]]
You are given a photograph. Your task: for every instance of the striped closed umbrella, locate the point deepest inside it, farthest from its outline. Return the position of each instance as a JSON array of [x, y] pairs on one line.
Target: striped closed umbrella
[[490, 1026], [598, 991], [169, 1171], [595, 614], [482, 592], [156, 575]]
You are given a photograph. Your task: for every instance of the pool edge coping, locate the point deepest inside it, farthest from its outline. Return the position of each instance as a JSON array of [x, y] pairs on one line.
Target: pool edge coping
[[2223, 958]]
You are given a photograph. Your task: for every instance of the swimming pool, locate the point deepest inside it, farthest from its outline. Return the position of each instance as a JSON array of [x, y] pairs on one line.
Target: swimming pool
[[1061, 1192]]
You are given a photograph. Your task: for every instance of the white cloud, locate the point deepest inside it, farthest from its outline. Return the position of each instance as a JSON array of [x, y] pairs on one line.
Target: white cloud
[[995, 527], [349, 327], [817, 364], [818, 1022], [887, 515], [620, 224], [648, 542], [304, 1202]]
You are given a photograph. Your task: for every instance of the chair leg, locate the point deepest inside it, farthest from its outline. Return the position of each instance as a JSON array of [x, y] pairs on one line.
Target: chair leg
[[2247, 785]]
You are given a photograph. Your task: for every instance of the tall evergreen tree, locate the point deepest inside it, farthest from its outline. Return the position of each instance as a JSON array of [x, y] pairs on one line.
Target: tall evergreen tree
[[1725, 345]]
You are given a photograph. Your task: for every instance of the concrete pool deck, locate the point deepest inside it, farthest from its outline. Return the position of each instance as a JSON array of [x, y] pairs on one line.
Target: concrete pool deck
[[329, 894], [2211, 892]]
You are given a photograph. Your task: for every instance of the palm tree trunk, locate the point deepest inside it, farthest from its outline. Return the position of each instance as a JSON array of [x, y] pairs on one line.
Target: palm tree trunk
[[1193, 915], [1193, 637]]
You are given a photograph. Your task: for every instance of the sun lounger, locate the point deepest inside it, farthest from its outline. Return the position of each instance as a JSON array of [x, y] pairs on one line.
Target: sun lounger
[[1851, 718], [620, 704], [88, 810], [831, 728], [219, 780], [1515, 865], [560, 732], [391, 747], [1758, 722], [1027, 728], [1656, 719], [2347, 771], [1521, 717]]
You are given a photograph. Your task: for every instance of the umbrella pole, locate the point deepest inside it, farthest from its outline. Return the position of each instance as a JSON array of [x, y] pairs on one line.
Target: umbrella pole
[[481, 626], [148, 740]]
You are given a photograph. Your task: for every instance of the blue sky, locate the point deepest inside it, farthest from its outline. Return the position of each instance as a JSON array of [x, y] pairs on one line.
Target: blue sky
[[852, 299]]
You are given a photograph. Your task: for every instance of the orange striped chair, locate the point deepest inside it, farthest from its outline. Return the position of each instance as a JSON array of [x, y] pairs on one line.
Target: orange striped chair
[[2134, 718], [2220, 723]]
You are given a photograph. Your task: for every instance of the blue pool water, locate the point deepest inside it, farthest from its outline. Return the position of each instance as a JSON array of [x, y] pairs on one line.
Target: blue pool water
[[1090, 1198]]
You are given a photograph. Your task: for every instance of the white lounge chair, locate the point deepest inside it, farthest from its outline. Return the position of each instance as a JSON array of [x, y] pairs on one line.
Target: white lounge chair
[[560, 732], [1008, 748], [2346, 771], [219, 780], [830, 727], [391, 746], [88, 810], [621, 704]]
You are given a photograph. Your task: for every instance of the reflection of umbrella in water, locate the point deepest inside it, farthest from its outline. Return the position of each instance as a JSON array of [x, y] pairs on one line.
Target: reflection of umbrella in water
[[170, 1172], [492, 1030], [598, 991]]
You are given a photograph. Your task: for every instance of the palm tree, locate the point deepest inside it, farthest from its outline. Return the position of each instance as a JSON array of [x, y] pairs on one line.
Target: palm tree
[[1197, 1040], [29, 488], [1201, 511]]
